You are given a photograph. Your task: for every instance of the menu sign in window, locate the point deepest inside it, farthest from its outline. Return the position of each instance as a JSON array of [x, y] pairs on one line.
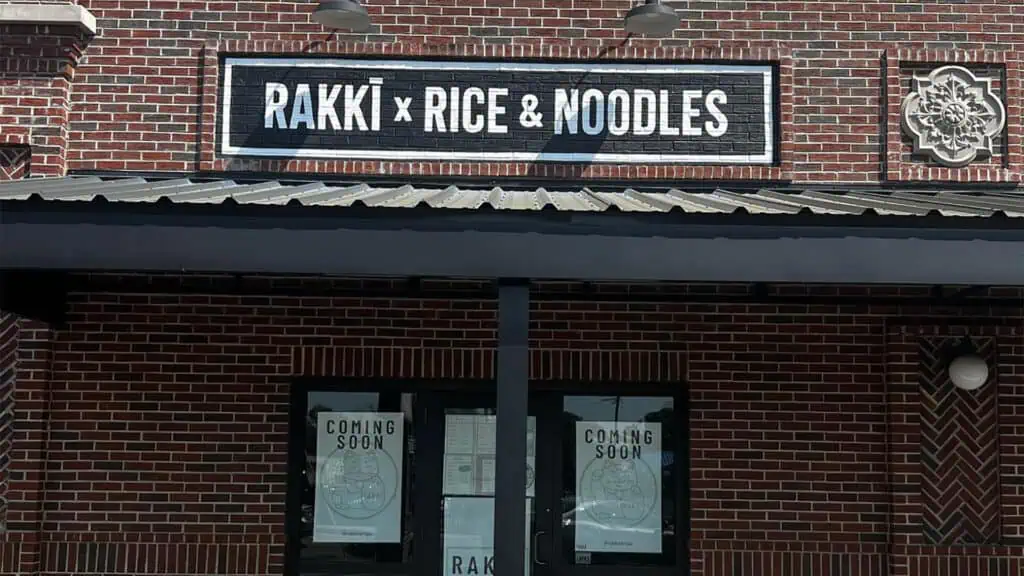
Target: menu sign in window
[[469, 454], [469, 464]]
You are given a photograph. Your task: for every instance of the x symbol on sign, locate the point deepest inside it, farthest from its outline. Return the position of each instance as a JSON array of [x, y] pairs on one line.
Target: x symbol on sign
[[403, 114]]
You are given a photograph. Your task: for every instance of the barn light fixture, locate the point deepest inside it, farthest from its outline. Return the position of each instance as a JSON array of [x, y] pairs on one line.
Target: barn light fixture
[[967, 370], [342, 15], [651, 18]]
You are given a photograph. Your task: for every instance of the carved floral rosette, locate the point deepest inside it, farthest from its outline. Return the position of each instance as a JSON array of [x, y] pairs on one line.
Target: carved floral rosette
[[952, 115]]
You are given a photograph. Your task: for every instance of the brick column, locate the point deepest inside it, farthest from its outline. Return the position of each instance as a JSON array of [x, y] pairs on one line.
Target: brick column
[[37, 66], [25, 354]]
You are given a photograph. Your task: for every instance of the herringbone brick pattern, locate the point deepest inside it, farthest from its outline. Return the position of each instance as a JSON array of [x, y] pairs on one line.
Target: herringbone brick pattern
[[959, 452], [14, 162], [8, 355]]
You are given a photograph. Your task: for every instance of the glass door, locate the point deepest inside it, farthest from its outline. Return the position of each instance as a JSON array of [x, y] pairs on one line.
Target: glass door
[[622, 486], [606, 485], [464, 427], [353, 481]]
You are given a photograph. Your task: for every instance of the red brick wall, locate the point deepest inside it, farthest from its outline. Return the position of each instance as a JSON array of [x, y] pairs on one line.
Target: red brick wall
[[166, 449], [36, 75], [136, 101], [21, 548]]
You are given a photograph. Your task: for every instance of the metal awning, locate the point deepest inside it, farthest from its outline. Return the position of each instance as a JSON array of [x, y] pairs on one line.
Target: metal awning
[[564, 198], [562, 231]]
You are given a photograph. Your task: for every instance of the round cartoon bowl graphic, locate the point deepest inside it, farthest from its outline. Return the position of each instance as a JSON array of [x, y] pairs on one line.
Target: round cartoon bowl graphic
[[618, 493], [358, 484]]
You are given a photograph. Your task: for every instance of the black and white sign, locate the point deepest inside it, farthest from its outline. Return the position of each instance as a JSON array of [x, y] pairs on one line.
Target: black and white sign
[[497, 111], [359, 477], [618, 487]]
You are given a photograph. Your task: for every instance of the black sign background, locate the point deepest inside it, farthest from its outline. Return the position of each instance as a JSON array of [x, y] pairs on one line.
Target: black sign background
[[747, 140]]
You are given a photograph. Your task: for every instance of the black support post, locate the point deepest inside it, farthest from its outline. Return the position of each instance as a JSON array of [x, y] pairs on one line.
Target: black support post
[[513, 402]]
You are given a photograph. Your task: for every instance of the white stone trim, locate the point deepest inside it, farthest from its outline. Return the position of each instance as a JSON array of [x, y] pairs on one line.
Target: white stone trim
[[48, 15], [953, 115]]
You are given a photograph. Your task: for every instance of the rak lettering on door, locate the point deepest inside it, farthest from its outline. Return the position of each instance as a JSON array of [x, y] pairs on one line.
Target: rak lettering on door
[[471, 562], [417, 110]]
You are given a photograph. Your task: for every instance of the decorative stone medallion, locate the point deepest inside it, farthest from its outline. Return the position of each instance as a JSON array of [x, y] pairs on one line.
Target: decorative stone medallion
[[952, 115]]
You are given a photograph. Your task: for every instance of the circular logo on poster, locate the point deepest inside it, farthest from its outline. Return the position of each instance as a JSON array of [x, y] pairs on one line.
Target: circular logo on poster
[[358, 484], [617, 493]]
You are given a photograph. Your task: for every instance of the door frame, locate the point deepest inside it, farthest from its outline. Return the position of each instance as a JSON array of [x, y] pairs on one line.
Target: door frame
[[436, 406], [298, 406], [679, 392], [546, 396]]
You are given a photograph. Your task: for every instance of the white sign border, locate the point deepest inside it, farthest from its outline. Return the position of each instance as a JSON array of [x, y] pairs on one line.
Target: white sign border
[[227, 149]]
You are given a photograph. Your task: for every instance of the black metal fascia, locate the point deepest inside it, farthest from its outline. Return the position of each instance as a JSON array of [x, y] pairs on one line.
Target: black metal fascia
[[428, 288], [509, 248]]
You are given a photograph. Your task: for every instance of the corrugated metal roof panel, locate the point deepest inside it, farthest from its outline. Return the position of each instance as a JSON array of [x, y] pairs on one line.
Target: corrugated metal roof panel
[[805, 202], [153, 191], [194, 190], [466, 199]]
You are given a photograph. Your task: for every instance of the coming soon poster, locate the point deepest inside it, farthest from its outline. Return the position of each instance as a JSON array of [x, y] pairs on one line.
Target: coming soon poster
[[359, 477], [618, 487]]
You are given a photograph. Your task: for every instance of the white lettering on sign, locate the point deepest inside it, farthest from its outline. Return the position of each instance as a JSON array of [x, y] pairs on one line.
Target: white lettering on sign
[[716, 97], [433, 117], [302, 108], [472, 119], [591, 112], [467, 108], [640, 112], [664, 126], [644, 115], [274, 102], [495, 110], [323, 113]]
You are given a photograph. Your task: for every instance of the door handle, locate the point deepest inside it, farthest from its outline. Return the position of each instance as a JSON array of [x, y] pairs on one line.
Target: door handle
[[536, 554]]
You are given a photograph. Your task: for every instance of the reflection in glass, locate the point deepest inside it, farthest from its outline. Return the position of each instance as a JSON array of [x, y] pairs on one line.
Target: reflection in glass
[[345, 558], [618, 498], [468, 493]]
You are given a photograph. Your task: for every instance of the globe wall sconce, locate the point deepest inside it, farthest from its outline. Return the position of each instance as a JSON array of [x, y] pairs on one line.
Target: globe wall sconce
[[342, 15], [967, 369]]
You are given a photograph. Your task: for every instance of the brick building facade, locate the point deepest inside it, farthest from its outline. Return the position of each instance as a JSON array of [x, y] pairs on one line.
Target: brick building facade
[[166, 300]]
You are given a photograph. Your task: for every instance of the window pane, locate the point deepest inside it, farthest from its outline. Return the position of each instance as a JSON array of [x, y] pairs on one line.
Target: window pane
[[468, 498], [618, 496], [358, 482]]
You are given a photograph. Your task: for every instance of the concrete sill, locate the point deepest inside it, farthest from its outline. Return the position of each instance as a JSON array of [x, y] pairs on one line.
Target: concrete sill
[[49, 15]]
